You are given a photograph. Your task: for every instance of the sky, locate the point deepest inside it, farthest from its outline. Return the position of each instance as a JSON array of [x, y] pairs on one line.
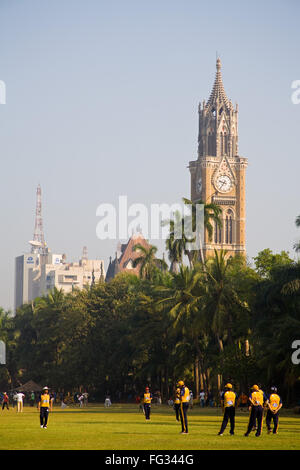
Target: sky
[[101, 101]]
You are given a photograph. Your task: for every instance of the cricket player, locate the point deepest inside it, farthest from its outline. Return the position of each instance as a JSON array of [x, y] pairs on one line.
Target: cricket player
[[44, 406], [184, 405], [228, 403], [257, 398], [274, 404], [147, 403], [177, 402]]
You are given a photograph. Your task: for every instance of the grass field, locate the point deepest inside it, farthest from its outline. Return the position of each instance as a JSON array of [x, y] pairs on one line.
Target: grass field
[[123, 427]]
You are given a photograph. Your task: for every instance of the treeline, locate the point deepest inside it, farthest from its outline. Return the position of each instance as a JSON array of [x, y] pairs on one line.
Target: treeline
[[207, 323]]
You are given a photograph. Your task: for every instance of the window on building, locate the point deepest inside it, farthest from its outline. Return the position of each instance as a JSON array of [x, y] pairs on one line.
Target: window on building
[[225, 144], [217, 233], [229, 227], [211, 144]]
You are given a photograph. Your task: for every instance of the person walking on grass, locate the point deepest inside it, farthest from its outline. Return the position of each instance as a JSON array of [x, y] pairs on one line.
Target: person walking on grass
[[202, 398], [5, 402], [44, 406], [81, 399], [32, 398], [20, 398]]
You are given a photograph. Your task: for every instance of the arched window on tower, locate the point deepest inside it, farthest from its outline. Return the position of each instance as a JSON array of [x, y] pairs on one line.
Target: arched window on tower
[[222, 143], [229, 221], [217, 232], [211, 144], [225, 143], [234, 147]]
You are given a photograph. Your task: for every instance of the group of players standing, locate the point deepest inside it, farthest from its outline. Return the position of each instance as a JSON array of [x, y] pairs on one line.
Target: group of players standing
[[181, 404], [258, 401]]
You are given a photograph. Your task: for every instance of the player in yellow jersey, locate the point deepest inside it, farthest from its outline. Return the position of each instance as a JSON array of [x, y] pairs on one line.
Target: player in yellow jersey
[[184, 405], [274, 404], [177, 403], [147, 403], [228, 403], [257, 398], [44, 406]]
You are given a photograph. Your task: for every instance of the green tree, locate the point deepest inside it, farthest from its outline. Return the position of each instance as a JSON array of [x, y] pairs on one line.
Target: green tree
[[211, 216], [175, 245], [266, 260], [183, 301], [275, 322], [224, 304], [147, 261], [297, 245]]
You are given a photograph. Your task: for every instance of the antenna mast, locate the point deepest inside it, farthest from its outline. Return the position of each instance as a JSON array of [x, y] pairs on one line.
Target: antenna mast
[[38, 242]]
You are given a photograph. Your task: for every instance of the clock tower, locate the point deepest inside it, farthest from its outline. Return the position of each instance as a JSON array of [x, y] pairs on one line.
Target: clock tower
[[218, 175]]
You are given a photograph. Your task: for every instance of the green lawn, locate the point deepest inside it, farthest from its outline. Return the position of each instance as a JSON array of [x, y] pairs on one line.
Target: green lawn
[[123, 427]]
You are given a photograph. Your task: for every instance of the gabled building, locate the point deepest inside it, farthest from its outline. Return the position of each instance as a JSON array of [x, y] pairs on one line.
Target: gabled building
[[123, 261]]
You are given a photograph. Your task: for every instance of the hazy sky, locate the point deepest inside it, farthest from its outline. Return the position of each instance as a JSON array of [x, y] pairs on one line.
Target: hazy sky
[[101, 101]]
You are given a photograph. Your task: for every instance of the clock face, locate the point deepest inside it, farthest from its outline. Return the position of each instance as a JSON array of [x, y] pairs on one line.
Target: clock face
[[223, 183]]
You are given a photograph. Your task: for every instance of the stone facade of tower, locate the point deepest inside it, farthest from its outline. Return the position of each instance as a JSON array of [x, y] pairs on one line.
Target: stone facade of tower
[[218, 175]]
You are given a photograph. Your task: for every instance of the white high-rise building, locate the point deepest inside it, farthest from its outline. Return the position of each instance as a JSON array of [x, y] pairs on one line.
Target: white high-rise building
[[37, 274], [26, 267]]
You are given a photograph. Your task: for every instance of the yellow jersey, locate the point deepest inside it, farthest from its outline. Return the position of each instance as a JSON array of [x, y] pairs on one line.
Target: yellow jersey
[[184, 395], [257, 398], [177, 396], [147, 398], [229, 398], [274, 401], [45, 400]]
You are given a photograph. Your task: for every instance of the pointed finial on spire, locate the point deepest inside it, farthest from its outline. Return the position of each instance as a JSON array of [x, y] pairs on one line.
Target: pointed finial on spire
[[218, 92]]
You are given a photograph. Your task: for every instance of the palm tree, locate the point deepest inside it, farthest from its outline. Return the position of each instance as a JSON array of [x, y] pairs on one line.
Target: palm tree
[[147, 261], [276, 318], [226, 311], [174, 245], [183, 301], [212, 214], [297, 245], [183, 296], [223, 303], [291, 277]]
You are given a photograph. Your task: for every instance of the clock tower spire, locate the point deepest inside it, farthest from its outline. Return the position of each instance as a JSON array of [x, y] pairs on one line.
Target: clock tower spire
[[218, 122], [218, 174]]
